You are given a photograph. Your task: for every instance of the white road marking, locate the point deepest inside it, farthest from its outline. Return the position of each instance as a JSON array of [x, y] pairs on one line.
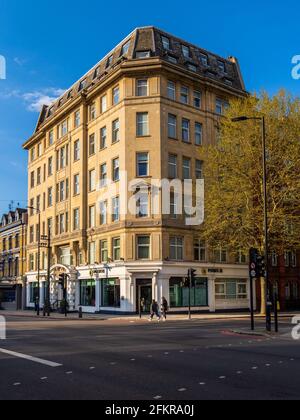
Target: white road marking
[[202, 383], [69, 373], [17, 384], [132, 360], [92, 368], [239, 372], [158, 397], [182, 389], [268, 365], [222, 377], [44, 379], [254, 368], [30, 358]]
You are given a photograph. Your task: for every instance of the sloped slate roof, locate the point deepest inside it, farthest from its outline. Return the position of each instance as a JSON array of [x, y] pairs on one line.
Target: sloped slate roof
[[150, 39], [5, 217]]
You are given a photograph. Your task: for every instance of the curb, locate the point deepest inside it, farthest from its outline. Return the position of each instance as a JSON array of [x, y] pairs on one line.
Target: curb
[[252, 333]]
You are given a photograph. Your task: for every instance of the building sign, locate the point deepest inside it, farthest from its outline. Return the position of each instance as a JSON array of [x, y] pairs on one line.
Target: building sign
[[215, 270], [97, 272]]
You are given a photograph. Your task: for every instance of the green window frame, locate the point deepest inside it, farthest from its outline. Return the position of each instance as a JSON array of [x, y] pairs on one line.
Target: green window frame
[[179, 295]]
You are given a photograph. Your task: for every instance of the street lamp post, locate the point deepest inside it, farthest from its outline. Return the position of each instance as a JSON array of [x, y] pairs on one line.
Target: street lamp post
[[47, 244], [39, 257], [266, 230]]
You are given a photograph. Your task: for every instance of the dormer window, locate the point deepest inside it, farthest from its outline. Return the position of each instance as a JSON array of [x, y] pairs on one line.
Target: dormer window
[[210, 74], [221, 66], [82, 85], [109, 61], [166, 43], [172, 59], [192, 67], [97, 73], [228, 82], [125, 48], [70, 94], [143, 54], [204, 59], [51, 111], [186, 51]]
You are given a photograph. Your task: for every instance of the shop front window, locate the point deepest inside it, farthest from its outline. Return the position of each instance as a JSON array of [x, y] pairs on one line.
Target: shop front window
[[88, 293], [227, 289], [179, 295], [111, 293]]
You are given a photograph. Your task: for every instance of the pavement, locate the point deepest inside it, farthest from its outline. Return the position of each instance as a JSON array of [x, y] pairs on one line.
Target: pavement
[[131, 360], [106, 317]]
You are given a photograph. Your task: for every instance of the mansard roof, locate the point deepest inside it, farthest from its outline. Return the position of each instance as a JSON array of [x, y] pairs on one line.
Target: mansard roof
[[12, 217], [147, 43]]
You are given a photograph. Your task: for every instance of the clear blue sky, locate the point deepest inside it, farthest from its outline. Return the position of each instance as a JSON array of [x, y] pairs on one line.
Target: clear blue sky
[[49, 44]]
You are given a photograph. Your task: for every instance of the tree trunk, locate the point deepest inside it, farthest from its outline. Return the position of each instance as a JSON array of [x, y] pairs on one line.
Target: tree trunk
[[263, 296]]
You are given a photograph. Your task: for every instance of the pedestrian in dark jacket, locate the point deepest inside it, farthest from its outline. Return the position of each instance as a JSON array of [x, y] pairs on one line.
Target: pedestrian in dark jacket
[[154, 310], [164, 308]]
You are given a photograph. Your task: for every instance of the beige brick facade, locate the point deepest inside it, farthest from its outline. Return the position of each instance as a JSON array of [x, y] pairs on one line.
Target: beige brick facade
[[153, 107]]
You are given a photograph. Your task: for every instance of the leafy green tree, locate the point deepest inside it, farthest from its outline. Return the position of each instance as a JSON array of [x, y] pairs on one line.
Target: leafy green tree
[[234, 201]]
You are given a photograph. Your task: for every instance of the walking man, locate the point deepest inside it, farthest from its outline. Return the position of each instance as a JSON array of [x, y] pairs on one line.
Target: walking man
[[164, 308], [154, 311]]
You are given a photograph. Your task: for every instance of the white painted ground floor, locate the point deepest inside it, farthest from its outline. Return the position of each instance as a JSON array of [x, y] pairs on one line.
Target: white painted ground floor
[[217, 288]]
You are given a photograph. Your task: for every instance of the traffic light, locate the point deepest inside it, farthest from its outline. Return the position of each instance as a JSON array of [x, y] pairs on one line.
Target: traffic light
[[257, 264], [261, 266], [192, 276], [253, 263], [186, 282]]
